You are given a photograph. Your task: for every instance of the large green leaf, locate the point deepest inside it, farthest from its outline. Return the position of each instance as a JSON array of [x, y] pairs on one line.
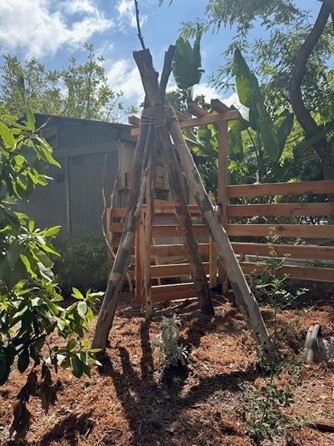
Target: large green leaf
[[247, 85], [187, 63], [236, 128], [268, 133], [284, 130]]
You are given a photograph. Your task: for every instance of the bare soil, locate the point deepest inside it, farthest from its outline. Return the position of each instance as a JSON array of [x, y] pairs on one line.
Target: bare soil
[[125, 403]]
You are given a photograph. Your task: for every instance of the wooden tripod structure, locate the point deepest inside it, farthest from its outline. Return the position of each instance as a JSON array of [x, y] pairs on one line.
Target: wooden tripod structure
[[159, 125]]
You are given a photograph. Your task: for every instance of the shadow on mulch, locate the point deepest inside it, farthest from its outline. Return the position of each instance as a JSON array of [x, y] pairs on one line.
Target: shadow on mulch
[[70, 428], [150, 406]]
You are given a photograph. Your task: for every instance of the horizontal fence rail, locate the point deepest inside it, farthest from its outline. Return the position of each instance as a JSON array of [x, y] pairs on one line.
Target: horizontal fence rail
[[308, 247]]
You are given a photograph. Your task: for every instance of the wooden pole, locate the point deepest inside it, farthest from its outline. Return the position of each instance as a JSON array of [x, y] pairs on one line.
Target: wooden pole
[[155, 95], [183, 219], [243, 295], [222, 189], [120, 266], [149, 216]]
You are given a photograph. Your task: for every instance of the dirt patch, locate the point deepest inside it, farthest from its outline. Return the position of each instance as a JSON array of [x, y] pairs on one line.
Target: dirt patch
[[125, 403]]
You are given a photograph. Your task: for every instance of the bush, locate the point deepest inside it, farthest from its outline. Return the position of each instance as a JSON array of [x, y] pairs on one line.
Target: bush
[[83, 264]]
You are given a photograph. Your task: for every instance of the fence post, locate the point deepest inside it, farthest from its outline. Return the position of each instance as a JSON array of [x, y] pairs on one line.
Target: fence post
[[222, 189]]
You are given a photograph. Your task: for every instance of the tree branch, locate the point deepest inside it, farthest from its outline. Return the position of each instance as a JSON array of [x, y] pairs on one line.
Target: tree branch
[[303, 115], [139, 34]]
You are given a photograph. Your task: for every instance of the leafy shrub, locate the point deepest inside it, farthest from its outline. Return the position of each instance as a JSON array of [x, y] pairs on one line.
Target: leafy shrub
[[262, 407], [29, 297], [83, 264]]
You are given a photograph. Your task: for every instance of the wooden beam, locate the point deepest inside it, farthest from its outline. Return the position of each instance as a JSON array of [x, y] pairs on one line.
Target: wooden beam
[[196, 110], [174, 270], [281, 210], [134, 120], [293, 272], [218, 106], [310, 252], [298, 188], [299, 231]]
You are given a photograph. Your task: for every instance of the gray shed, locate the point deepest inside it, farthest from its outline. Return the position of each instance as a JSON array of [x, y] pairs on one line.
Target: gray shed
[[85, 149]]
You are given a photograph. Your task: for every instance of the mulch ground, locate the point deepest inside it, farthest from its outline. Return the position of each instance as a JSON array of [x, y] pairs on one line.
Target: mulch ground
[[125, 403]]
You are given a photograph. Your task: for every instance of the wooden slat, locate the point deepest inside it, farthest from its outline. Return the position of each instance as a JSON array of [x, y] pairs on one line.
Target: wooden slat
[[176, 250], [174, 287], [117, 227], [298, 188], [162, 293], [311, 252], [294, 272], [298, 231], [117, 212], [168, 209], [174, 270], [281, 210], [174, 231]]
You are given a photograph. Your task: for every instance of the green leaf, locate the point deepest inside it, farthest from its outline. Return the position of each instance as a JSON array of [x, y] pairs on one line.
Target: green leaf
[[30, 120], [13, 253], [313, 137], [77, 294], [71, 345], [187, 63], [268, 133], [52, 232], [82, 309], [61, 324], [7, 135], [76, 366], [247, 85], [23, 361], [5, 272], [53, 308], [284, 130], [28, 266]]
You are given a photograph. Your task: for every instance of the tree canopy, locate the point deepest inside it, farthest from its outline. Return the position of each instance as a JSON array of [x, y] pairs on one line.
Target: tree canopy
[[293, 60], [81, 90]]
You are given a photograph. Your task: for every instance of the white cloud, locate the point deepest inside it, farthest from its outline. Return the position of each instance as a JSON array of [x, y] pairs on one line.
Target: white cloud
[[127, 13], [123, 75], [41, 27]]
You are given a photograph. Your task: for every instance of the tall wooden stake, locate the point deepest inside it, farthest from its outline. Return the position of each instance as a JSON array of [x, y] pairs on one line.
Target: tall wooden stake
[[120, 266]]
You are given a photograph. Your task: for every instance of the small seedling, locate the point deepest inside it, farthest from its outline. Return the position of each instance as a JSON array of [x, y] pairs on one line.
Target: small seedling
[[167, 341]]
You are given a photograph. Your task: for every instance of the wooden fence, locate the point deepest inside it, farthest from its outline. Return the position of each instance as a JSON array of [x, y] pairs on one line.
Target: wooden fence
[[303, 228]]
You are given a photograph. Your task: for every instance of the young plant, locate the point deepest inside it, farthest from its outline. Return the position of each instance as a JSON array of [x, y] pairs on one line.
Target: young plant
[[263, 407], [29, 297], [263, 411], [171, 352]]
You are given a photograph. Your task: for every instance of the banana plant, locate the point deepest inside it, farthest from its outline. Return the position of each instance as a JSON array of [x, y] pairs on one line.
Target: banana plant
[[270, 136], [187, 63]]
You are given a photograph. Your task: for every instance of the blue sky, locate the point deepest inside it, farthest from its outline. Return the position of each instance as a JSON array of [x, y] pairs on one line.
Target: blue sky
[[54, 30]]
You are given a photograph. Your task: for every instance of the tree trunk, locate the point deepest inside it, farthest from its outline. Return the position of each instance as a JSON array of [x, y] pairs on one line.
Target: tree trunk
[[323, 147]]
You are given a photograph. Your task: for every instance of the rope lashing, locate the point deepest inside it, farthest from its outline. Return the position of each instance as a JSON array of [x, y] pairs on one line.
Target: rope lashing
[[158, 116]]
